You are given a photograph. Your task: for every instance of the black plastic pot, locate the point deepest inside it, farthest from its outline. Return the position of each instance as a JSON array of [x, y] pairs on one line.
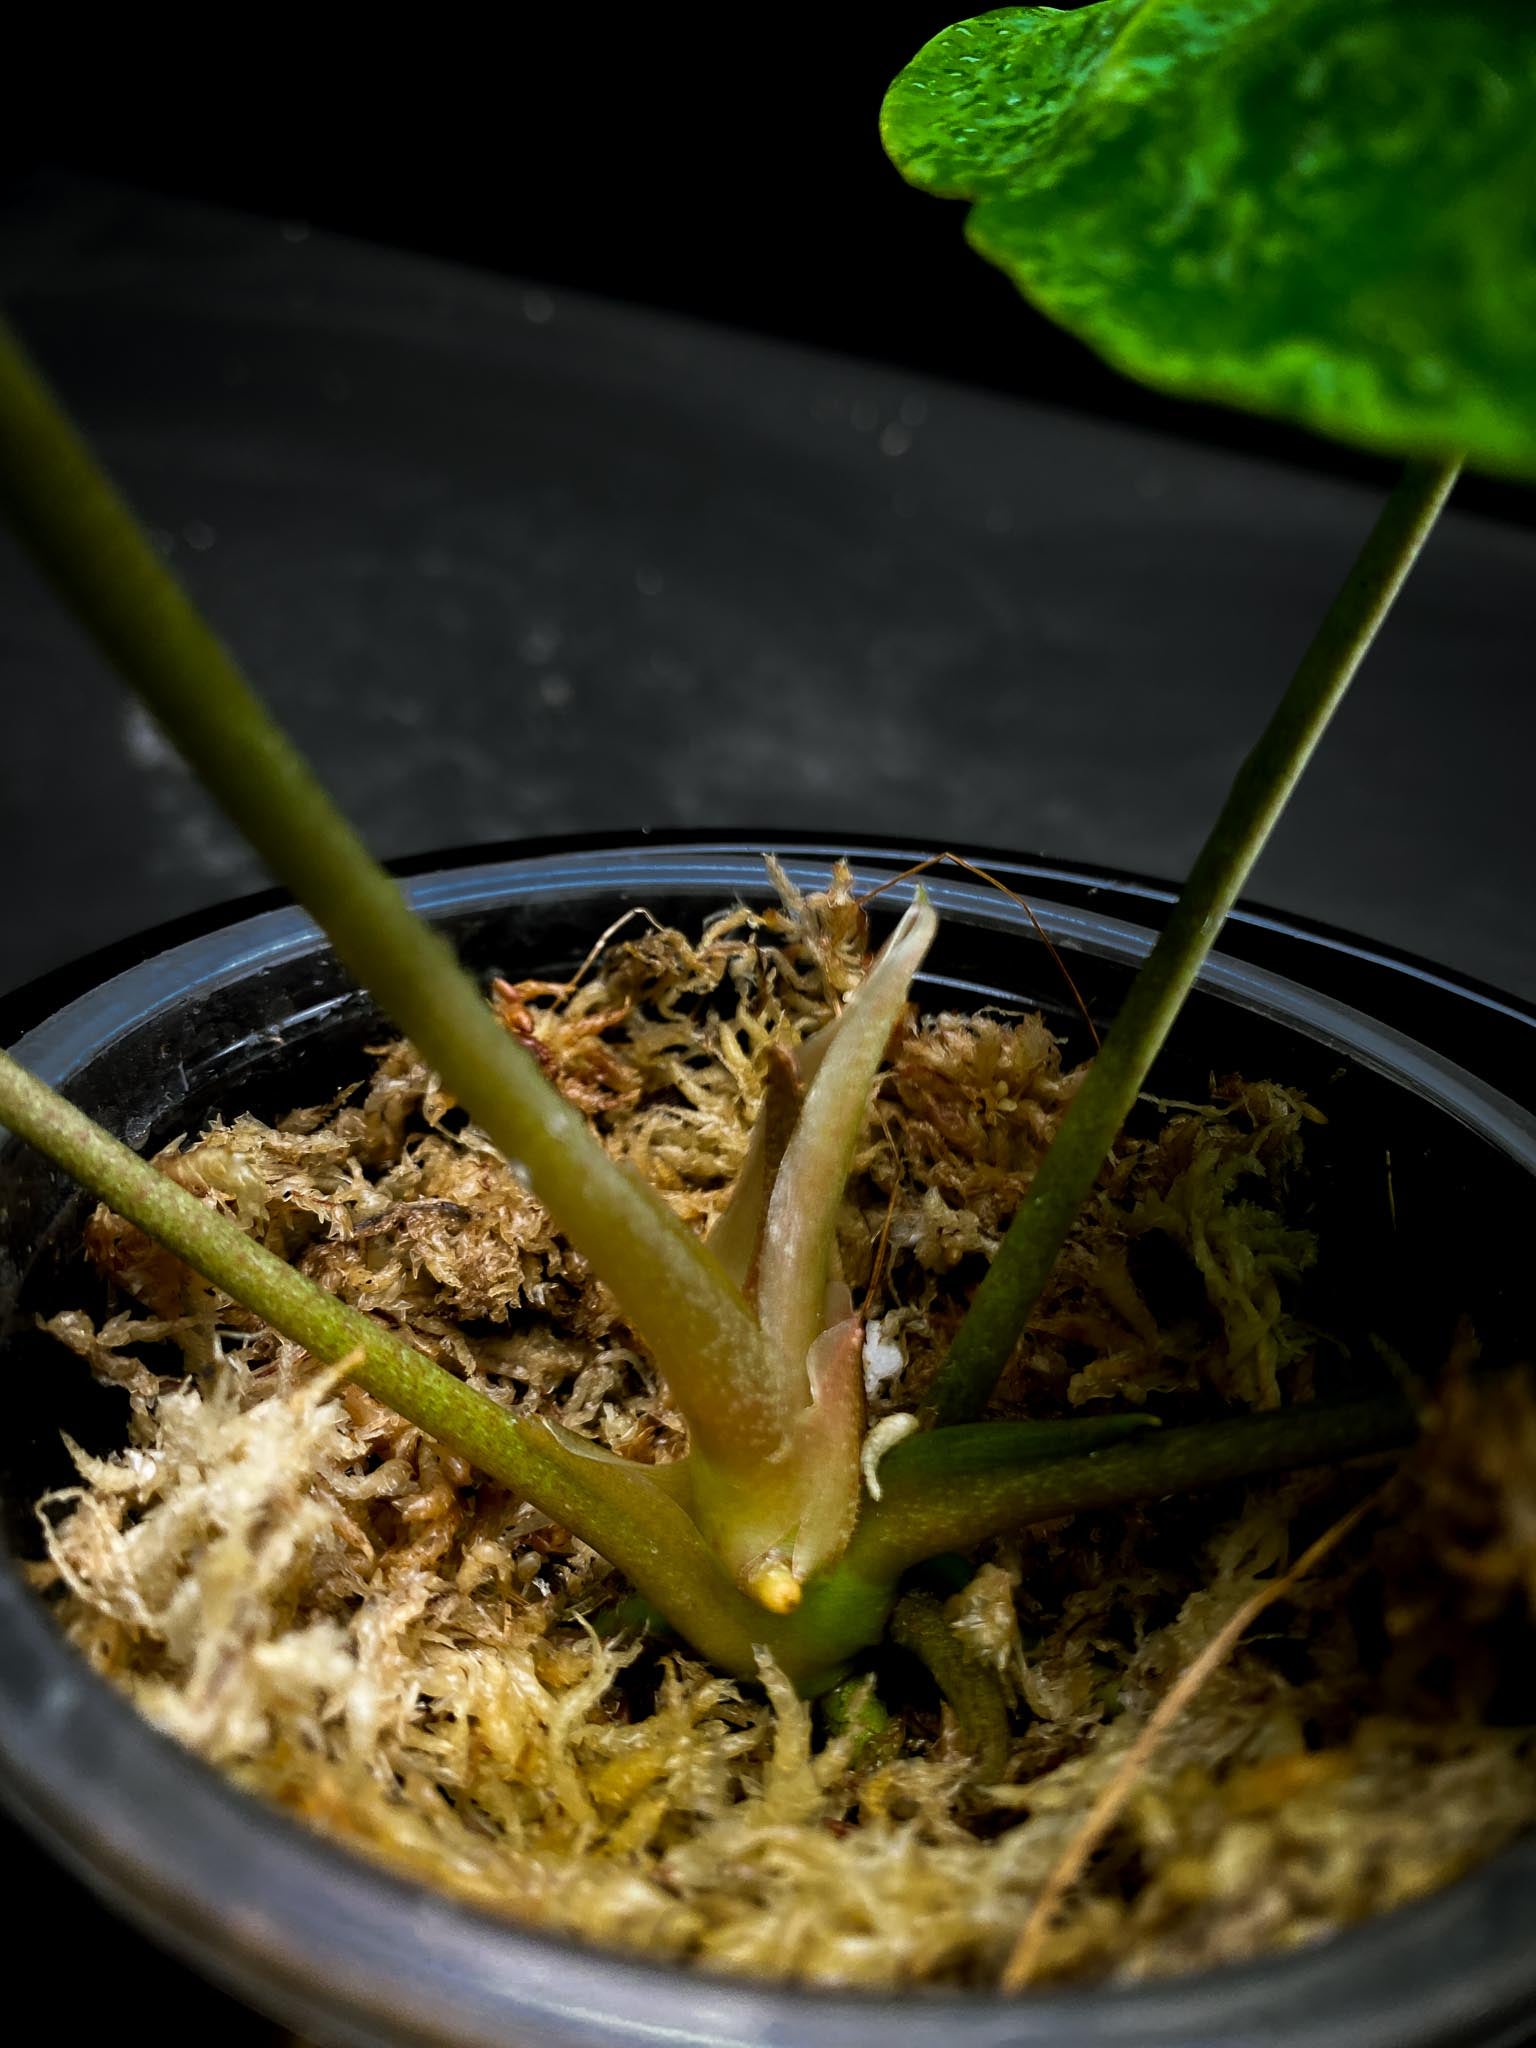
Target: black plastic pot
[[250, 1010]]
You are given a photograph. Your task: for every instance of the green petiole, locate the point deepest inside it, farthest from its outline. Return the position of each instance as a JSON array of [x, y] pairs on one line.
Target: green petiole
[[1004, 1301]]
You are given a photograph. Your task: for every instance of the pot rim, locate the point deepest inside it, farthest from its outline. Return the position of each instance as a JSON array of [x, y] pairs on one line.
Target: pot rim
[[302, 1926], [1244, 930]]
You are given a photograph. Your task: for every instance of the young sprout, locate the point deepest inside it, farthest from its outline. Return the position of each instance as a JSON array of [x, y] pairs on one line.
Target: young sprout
[[804, 1498]]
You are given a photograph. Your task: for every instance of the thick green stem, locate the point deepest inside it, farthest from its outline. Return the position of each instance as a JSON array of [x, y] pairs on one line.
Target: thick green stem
[[87, 541], [939, 1458], [614, 1507], [1007, 1295], [925, 1511]]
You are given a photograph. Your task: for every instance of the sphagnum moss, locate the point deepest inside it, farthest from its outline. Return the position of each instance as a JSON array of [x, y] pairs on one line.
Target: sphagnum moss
[[315, 1597]]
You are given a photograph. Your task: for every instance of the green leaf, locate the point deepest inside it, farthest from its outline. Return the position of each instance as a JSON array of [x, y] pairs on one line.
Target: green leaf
[[1318, 209]]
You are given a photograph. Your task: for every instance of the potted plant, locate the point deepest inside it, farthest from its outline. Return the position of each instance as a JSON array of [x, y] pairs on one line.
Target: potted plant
[[784, 1541]]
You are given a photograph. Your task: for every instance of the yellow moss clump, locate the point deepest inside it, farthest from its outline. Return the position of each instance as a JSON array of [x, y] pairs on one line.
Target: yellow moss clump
[[308, 1593]]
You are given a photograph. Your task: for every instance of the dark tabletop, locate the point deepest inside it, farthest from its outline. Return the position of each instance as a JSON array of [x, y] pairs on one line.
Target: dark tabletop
[[515, 563], [512, 562]]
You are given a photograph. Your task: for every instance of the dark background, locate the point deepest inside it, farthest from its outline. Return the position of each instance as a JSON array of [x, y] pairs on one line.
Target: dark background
[[722, 163]]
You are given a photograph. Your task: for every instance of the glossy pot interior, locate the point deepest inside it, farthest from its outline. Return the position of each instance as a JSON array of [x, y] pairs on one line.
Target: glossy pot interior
[[1425, 1198]]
